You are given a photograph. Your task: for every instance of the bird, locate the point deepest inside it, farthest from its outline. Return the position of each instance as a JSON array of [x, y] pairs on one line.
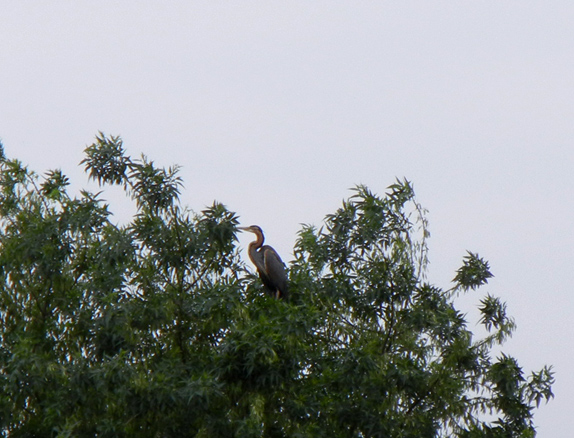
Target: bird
[[269, 265]]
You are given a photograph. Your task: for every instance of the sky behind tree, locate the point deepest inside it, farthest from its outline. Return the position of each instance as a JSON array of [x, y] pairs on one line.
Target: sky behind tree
[[276, 109]]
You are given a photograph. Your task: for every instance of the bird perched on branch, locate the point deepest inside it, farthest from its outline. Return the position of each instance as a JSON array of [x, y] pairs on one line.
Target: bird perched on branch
[[268, 263]]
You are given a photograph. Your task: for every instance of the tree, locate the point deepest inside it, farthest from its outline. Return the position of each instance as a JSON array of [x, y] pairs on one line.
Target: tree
[[156, 328]]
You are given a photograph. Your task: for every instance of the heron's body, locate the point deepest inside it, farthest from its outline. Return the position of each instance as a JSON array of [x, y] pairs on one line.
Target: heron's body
[[269, 265]]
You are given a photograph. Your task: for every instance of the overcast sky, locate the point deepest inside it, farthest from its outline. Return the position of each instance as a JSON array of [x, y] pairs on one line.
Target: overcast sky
[[277, 108]]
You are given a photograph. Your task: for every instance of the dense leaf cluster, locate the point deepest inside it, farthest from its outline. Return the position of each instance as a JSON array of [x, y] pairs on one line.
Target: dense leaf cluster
[[156, 328]]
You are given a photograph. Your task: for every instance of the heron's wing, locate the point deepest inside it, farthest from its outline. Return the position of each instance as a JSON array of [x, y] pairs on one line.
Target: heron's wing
[[275, 270]]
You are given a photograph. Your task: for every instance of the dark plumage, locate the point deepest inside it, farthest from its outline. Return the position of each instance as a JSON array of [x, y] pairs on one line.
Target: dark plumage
[[269, 265]]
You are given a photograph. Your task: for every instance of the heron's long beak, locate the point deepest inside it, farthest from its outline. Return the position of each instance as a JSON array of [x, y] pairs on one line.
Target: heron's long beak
[[244, 228]]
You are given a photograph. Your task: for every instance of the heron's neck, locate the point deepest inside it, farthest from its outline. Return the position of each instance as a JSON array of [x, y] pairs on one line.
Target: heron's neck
[[256, 244]]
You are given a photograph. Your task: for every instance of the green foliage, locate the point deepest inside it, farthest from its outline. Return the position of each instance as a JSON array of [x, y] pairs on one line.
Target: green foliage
[[156, 328], [474, 272]]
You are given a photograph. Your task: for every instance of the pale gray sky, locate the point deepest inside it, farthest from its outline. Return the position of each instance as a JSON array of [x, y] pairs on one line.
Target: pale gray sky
[[277, 108]]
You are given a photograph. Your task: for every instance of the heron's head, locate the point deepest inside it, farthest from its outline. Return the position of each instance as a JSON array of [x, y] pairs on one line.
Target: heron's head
[[255, 229]]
